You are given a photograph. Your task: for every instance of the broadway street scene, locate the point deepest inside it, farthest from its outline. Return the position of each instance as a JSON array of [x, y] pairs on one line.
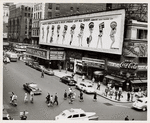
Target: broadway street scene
[[75, 61]]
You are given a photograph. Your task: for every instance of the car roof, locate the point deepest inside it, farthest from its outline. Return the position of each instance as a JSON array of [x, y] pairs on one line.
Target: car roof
[[32, 84], [86, 83], [73, 111]]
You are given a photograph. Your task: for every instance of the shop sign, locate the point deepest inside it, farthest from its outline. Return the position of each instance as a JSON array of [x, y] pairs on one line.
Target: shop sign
[[129, 65], [94, 62], [37, 52], [57, 55], [142, 67], [113, 64]]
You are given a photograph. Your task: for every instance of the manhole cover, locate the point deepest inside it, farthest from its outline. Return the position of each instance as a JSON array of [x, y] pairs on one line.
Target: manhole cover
[[108, 104]]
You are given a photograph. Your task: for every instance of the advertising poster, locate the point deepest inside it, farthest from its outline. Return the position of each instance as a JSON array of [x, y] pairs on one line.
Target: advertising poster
[[133, 49], [101, 32]]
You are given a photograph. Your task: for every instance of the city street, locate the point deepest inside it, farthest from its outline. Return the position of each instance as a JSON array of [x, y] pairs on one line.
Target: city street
[[16, 74]]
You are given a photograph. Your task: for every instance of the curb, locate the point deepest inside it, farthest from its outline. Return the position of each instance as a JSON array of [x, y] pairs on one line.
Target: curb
[[112, 100], [102, 95]]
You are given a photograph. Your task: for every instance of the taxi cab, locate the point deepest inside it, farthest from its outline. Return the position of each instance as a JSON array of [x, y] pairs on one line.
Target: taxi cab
[[76, 114]]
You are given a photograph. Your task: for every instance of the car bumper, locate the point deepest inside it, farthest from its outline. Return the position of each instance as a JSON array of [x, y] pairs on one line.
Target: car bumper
[[37, 93]]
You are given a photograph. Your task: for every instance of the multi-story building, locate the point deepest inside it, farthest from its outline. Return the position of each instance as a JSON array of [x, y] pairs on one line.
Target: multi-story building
[[124, 64], [20, 22], [5, 21]]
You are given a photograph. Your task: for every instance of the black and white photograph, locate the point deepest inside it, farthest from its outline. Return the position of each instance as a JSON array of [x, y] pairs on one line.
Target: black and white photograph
[[82, 61]]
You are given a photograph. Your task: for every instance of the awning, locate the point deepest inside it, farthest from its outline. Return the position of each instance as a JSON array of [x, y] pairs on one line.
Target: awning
[[98, 72], [139, 81], [115, 78]]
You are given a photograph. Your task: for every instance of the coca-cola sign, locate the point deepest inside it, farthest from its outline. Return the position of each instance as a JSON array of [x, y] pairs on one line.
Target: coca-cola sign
[[128, 65]]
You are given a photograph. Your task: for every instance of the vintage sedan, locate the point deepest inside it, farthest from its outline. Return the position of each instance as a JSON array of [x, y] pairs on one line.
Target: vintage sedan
[[32, 87], [76, 114], [68, 80], [140, 103], [47, 70], [86, 87]]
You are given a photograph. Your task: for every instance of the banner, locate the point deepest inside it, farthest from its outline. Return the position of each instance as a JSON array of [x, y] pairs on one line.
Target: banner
[[101, 32]]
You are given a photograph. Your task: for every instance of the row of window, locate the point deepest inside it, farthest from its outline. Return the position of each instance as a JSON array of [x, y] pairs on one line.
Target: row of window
[[57, 6], [35, 24], [38, 7], [37, 15], [141, 34], [35, 32], [26, 27], [28, 14], [28, 9], [5, 14]]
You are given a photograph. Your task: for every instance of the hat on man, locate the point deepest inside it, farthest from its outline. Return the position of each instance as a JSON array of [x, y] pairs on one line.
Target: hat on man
[[91, 25]]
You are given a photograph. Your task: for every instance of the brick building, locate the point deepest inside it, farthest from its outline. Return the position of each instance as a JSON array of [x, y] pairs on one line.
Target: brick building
[[20, 22]]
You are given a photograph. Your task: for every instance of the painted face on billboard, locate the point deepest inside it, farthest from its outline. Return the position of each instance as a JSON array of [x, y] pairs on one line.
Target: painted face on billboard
[[72, 32], [113, 26], [89, 39], [101, 26], [80, 35]]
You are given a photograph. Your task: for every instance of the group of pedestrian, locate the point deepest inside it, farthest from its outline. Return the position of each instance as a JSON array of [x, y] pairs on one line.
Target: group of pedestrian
[[31, 97], [130, 96], [50, 100]]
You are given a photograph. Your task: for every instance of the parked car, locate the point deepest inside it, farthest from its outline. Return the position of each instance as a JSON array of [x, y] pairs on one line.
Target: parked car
[[47, 71], [38, 67], [76, 114], [86, 87], [32, 87], [35, 65], [140, 103], [68, 80]]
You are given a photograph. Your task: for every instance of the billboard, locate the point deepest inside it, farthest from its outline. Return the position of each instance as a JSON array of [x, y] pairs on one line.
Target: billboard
[[101, 32]]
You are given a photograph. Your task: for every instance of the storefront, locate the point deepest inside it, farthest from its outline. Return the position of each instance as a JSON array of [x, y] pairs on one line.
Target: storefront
[[38, 54], [114, 81], [93, 68], [57, 58]]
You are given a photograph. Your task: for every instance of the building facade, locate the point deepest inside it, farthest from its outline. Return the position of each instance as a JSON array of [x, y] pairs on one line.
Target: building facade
[[5, 21], [126, 68], [20, 23]]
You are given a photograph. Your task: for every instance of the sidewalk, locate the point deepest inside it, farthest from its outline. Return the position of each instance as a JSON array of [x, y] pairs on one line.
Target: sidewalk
[[100, 92]]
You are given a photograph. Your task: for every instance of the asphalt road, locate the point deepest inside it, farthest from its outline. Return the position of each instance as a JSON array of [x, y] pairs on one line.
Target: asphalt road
[[16, 74]]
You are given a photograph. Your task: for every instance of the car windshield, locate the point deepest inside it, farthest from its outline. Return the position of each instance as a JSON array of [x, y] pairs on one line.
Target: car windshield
[[139, 100]]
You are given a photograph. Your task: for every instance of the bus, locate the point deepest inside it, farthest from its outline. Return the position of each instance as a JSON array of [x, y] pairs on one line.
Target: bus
[[12, 56]]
